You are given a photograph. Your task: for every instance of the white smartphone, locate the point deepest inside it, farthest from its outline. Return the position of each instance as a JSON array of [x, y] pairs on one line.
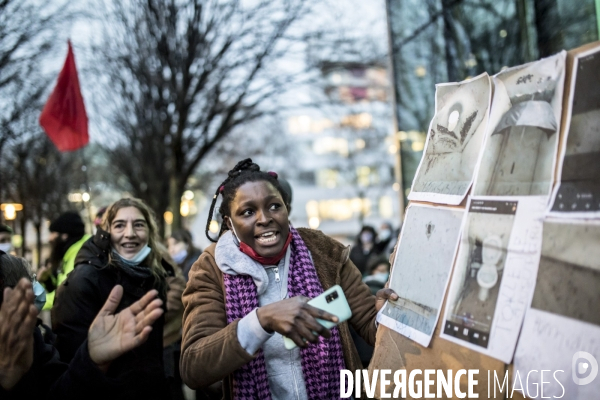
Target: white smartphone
[[334, 302]]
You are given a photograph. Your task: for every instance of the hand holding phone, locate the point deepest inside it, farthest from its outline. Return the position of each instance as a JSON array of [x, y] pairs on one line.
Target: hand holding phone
[[332, 301]]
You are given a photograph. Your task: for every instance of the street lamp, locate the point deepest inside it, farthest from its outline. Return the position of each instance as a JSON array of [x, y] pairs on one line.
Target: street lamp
[[10, 210]]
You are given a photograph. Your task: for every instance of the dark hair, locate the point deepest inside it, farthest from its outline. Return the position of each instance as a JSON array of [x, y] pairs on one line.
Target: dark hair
[[243, 172], [6, 228], [12, 269], [374, 263], [182, 235], [366, 228]]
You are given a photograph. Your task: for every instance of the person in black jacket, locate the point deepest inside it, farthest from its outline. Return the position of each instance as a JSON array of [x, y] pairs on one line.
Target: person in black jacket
[[365, 249], [30, 366], [124, 252], [183, 251]]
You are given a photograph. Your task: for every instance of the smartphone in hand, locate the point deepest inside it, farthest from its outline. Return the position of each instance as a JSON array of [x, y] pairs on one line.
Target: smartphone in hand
[[334, 302]]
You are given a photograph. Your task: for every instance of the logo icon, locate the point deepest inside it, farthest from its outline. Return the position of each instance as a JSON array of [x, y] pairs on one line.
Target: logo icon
[[584, 368]]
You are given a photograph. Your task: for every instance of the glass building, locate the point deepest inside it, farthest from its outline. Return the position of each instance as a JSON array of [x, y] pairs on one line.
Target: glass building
[[435, 41]]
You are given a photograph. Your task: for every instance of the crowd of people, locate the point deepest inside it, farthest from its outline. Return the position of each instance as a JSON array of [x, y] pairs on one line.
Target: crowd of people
[[133, 317]]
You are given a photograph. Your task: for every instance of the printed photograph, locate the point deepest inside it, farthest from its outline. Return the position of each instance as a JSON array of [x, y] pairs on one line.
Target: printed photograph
[[579, 189], [569, 273], [479, 270], [525, 119], [422, 266], [455, 137]]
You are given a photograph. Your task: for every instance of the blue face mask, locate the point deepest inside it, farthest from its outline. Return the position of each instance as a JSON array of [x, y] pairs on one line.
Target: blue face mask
[[138, 258], [381, 276], [180, 256], [40, 295]]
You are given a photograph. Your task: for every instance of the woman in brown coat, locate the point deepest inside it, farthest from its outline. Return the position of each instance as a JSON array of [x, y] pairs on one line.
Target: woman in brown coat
[[252, 288]]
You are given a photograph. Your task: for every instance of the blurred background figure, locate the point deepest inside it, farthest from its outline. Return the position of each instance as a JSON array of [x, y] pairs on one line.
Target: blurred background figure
[[365, 249], [285, 185], [99, 215], [5, 238], [387, 237], [67, 235], [183, 251], [378, 273]]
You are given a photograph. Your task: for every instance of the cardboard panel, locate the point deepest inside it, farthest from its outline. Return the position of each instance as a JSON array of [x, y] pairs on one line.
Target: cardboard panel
[[395, 352]]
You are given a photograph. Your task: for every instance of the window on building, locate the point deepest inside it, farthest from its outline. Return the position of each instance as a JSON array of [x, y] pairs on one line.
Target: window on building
[[386, 207], [337, 209], [299, 124], [357, 121], [330, 144], [306, 177], [367, 176], [328, 178], [305, 124]]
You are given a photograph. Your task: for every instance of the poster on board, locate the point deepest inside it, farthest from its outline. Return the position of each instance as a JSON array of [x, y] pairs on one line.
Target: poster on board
[[561, 331], [421, 270], [454, 141], [522, 138], [577, 193], [494, 274]]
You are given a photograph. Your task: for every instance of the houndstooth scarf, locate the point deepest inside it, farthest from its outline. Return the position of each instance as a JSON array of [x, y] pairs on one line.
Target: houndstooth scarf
[[321, 362]]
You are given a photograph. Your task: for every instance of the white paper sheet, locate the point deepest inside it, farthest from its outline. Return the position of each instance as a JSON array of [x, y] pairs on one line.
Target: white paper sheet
[[564, 318], [454, 141], [421, 271], [521, 142], [577, 193], [494, 274]]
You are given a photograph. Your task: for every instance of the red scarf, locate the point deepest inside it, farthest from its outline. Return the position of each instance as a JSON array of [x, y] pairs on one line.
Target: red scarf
[[274, 260]]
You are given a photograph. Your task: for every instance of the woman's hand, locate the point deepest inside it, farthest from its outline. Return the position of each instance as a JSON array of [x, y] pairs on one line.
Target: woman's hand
[[384, 295], [17, 321], [295, 319], [112, 335]]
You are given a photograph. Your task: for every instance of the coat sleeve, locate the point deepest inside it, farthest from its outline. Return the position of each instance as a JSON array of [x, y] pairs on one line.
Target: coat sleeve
[[82, 378], [361, 301], [174, 313], [50, 378], [78, 301], [210, 348]]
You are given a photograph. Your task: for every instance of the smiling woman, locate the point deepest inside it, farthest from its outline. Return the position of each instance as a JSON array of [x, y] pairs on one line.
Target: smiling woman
[[124, 251], [252, 288]]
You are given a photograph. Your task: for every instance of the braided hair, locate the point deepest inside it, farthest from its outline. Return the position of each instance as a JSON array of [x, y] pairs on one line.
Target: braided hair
[[243, 172]]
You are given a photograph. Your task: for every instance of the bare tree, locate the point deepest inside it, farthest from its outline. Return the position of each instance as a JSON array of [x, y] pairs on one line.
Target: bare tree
[[38, 176], [27, 37], [185, 74]]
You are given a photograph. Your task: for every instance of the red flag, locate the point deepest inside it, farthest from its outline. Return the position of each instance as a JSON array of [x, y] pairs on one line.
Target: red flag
[[64, 118]]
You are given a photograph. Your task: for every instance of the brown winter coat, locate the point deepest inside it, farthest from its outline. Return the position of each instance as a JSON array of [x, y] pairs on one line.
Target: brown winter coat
[[210, 348]]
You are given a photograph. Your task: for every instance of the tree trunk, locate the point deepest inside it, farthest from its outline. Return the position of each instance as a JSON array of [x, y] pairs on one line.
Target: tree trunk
[[546, 22], [175, 201], [38, 243], [23, 223], [527, 39], [449, 42]]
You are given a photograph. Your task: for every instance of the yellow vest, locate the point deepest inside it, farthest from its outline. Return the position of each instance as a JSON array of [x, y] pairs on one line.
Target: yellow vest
[[68, 265]]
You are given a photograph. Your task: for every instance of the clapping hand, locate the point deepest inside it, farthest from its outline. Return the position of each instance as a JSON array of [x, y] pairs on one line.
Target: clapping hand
[[112, 335], [18, 316]]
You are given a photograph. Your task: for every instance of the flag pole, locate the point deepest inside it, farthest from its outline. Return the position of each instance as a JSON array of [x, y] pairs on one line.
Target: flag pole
[[86, 182]]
